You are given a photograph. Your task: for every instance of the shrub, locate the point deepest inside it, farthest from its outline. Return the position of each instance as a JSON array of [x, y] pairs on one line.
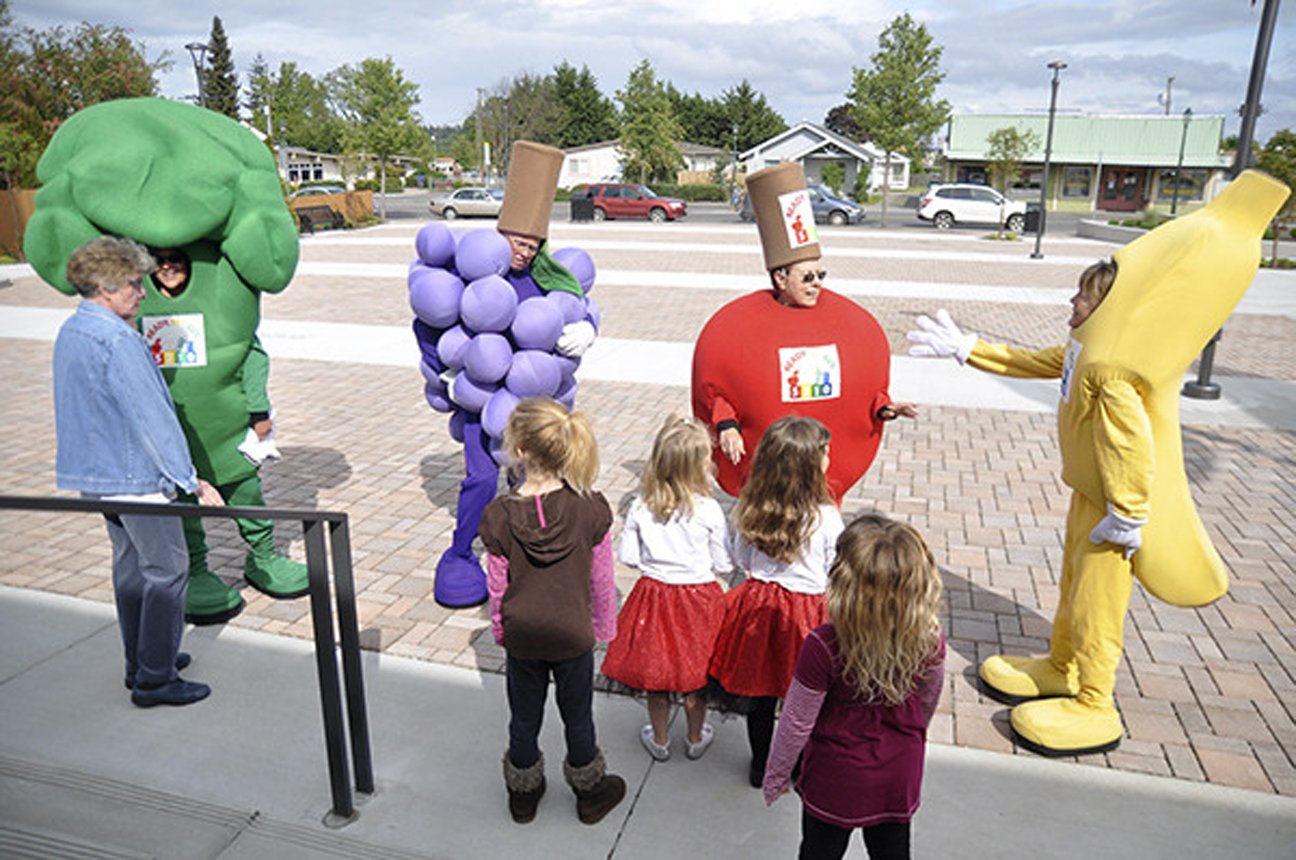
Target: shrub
[[395, 185]]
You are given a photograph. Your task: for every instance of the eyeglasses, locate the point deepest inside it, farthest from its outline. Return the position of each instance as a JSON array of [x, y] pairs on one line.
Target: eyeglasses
[[136, 284], [171, 258], [810, 277], [524, 246]]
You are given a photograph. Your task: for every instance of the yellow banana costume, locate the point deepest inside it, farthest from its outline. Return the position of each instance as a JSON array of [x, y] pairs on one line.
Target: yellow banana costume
[[1119, 434]]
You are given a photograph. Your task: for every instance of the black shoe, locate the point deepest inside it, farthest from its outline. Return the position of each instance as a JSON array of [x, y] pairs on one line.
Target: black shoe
[[182, 660], [176, 692]]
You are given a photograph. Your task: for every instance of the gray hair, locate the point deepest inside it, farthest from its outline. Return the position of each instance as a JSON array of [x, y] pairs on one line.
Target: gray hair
[[108, 264]]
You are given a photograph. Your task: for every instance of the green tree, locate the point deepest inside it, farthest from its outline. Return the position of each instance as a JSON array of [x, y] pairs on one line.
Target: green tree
[[533, 111], [841, 120], [590, 117], [301, 112], [895, 98], [220, 83], [376, 103], [702, 120], [649, 133], [48, 75], [749, 110], [1278, 159], [1006, 149], [258, 88], [833, 174]]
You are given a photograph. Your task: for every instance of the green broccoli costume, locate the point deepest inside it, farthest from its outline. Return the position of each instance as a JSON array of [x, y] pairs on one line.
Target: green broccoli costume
[[169, 174]]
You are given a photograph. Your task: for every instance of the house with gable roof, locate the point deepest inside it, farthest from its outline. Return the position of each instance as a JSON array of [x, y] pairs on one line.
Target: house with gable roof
[[814, 146]]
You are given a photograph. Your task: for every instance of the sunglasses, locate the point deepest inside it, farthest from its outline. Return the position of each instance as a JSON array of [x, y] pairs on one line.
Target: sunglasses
[[810, 277], [170, 258]]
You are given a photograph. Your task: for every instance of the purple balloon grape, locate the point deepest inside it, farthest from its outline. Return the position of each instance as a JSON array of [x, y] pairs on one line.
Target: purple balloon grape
[[538, 323], [470, 395], [566, 365], [533, 374], [482, 253], [435, 245], [488, 357], [435, 392], [451, 347], [497, 452], [579, 264], [456, 426], [572, 307], [429, 372], [495, 415], [435, 295], [566, 394], [488, 304], [595, 315]]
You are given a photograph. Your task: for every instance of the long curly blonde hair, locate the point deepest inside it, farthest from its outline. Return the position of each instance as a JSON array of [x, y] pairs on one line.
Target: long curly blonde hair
[[679, 468], [779, 506], [883, 599]]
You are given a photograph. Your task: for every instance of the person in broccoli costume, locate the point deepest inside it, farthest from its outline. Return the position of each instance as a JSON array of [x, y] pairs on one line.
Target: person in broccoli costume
[[195, 186]]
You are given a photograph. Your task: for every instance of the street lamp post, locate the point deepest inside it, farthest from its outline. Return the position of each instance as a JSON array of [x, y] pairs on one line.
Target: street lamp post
[[1057, 66], [1202, 388], [1183, 139], [198, 51], [733, 168]]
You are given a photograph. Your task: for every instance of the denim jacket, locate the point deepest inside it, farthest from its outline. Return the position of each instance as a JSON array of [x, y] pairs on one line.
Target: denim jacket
[[117, 428]]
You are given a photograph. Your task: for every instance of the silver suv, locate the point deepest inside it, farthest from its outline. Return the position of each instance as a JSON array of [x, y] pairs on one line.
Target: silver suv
[[960, 203]]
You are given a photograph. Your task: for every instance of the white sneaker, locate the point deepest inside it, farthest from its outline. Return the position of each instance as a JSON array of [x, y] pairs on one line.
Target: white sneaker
[[695, 751], [660, 752]]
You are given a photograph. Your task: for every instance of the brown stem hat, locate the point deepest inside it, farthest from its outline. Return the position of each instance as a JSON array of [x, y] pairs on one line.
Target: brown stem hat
[[783, 215], [529, 193]]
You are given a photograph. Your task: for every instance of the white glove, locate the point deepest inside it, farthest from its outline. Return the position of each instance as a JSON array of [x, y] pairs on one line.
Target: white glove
[[256, 451], [1117, 529], [576, 337], [941, 337]]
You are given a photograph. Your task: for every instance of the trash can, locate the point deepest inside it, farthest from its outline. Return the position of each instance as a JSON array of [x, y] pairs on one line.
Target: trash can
[[582, 208], [1032, 218]]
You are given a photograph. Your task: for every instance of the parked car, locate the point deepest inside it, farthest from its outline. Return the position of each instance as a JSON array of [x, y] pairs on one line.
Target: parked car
[[314, 190], [964, 203], [828, 207], [623, 200], [468, 201]]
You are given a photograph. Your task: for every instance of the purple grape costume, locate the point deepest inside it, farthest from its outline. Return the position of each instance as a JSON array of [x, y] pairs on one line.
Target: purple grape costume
[[490, 337]]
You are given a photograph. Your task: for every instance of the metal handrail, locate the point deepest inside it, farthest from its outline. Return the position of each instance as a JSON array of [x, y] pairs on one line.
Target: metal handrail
[[317, 566]]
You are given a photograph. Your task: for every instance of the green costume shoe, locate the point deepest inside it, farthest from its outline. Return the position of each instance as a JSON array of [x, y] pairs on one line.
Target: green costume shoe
[[210, 601], [276, 575]]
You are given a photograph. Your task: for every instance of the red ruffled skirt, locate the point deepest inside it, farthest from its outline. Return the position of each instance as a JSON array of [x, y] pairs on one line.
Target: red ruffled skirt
[[760, 638], [664, 636]]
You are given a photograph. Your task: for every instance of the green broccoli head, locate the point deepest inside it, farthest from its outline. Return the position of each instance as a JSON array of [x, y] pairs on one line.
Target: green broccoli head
[[165, 174]]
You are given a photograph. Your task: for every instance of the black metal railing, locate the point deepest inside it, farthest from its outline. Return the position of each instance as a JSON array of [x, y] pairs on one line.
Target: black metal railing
[[326, 647]]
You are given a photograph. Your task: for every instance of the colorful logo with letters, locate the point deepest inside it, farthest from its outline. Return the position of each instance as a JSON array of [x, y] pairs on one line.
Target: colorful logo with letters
[[176, 341], [798, 218], [810, 373]]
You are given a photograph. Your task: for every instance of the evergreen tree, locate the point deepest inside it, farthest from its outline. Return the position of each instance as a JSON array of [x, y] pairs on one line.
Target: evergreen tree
[[589, 116], [702, 120], [649, 133], [895, 99], [756, 120], [220, 83], [259, 82]]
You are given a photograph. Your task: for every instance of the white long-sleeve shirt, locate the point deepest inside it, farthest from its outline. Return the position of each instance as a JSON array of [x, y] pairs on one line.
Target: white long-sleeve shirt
[[809, 573], [688, 549]]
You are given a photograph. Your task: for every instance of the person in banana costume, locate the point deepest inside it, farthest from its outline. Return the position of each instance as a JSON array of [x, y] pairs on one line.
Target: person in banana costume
[[1137, 323], [186, 182]]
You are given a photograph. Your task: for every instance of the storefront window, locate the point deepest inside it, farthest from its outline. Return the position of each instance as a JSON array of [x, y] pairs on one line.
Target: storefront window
[[1191, 185], [1076, 181]]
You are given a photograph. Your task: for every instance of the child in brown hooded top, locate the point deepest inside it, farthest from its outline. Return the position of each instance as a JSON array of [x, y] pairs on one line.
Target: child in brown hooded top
[[549, 575]]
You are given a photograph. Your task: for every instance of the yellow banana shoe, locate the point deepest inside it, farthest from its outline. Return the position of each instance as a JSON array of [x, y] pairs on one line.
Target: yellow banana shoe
[[1064, 727], [1012, 680]]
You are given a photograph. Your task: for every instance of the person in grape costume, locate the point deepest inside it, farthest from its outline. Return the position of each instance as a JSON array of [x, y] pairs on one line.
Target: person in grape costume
[[498, 318], [193, 182]]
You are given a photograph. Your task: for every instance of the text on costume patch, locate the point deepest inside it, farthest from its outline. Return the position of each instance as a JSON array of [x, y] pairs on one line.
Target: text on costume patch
[[178, 340], [798, 218], [810, 373], [1069, 360]]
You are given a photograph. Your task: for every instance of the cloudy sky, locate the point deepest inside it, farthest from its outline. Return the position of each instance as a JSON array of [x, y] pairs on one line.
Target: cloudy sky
[[799, 53]]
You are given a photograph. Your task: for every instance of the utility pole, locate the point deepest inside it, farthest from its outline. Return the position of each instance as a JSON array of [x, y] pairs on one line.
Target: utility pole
[[481, 161], [1165, 99]]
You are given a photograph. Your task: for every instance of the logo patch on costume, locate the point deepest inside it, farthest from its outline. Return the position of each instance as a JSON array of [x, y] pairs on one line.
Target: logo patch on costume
[[1069, 361], [798, 218], [178, 340], [810, 373]]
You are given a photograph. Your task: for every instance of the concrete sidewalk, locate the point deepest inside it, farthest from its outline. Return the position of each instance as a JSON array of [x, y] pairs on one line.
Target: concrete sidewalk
[[241, 775]]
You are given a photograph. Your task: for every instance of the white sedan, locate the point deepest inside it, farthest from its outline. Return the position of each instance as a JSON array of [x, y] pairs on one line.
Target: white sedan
[[468, 201]]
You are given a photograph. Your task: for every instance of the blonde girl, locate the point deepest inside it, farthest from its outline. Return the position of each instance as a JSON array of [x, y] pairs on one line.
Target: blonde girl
[[865, 689], [675, 533], [786, 529], [549, 578]]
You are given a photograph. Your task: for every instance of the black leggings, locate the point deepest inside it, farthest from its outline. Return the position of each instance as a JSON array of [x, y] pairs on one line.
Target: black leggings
[[823, 841], [760, 728]]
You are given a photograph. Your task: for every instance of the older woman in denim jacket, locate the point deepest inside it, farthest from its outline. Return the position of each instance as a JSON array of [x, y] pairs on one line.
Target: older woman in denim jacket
[[119, 439]]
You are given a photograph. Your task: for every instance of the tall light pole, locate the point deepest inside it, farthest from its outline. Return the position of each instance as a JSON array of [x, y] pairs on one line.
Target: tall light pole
[[733, 168], [198, 51], [1202, 388], [1057, 66], [1183, 139]]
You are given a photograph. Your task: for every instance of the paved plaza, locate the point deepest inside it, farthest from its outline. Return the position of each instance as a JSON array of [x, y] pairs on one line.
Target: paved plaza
[[1208, 695]]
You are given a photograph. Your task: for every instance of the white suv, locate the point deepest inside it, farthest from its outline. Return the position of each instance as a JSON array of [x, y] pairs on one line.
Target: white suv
[[958, 203]]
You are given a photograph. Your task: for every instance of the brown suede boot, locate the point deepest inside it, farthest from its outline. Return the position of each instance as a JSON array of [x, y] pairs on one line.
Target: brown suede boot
[[525, 788], [597, 791]]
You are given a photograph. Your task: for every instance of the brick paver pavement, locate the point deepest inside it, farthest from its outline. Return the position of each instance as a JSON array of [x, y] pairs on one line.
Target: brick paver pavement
[[1207, 694]]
